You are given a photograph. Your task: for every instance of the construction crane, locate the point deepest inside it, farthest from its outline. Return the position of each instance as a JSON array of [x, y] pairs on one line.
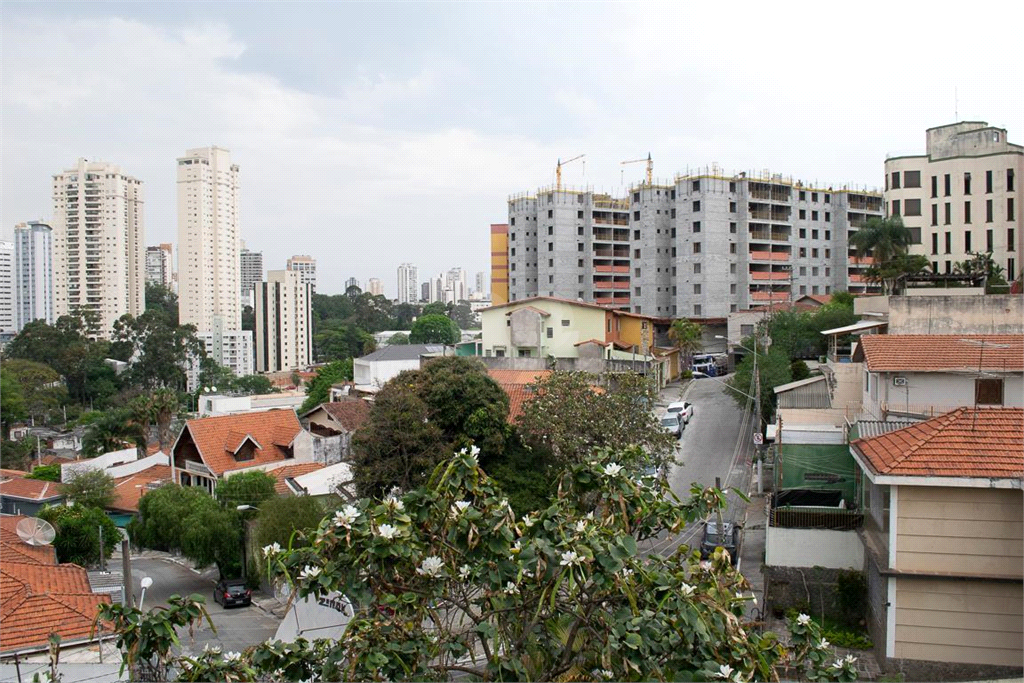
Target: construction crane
[[558, 170], [650, 167]]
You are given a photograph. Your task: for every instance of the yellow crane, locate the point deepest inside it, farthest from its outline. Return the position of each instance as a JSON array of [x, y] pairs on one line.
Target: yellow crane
[[558, 170], [650, 167]]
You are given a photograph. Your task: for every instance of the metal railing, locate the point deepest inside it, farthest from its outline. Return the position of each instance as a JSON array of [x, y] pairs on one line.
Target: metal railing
[[836, 519]]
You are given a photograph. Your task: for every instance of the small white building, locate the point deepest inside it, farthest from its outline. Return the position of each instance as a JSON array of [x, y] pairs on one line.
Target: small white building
[[373, 371]]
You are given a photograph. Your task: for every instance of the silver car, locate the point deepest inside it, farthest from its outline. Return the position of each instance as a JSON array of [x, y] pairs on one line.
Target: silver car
[[672, 425]]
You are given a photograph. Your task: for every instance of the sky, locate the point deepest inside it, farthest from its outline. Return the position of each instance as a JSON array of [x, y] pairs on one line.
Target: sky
[[374, 134]]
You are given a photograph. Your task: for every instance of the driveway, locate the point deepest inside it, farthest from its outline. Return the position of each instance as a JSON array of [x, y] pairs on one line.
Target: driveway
[[237, 627]]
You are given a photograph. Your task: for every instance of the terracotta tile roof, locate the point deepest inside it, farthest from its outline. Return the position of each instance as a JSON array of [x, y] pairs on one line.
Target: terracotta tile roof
[[279, 475], [599, 342], [12, 547], [518, 376], [5, 474], [941, 352], [217, 437], [967, 442], [351, 414], [37, 599], [518, 385], [131, 488], [29, 489]]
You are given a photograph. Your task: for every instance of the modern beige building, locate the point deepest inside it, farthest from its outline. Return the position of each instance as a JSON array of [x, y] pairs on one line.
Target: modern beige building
[[375, 286], [99, 250], [208, 239], [962, 196], [284, 331], [160, 265], [305, 266]]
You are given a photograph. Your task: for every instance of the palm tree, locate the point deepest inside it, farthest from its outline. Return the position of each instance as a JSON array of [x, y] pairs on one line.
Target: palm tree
[[114, 430], [687, 337], [887, 240]]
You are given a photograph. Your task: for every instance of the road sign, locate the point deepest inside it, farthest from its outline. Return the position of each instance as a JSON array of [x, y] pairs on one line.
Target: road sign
[[758, 438]]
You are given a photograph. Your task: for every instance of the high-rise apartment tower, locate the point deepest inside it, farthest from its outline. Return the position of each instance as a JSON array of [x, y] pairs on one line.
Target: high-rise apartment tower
[[160, 265], [33, 274], [98, 243], [407, 284], [305, 266], [284, 332]]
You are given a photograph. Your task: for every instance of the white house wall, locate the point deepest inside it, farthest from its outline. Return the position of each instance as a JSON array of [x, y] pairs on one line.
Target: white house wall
[[813, 548], [940, 389]]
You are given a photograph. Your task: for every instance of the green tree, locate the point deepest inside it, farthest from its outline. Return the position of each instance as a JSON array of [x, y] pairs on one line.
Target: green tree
[[247, 488], [336, 342], [464, 402], [398, 339], [798, 370], [45, 473], [435, 308], [434, 329], [162, 301], [40, 386], [463, 316], [318, 390], [403, 315], [372, 313], [253, 384], [213, 536], [570, 416], [886, 240], [157, 350], [78, 533], [12, 402], [113, 430], [289, 521], [773, 367], [17, 455], [983, 265], [248, 318], [688, 338], [91, 488]]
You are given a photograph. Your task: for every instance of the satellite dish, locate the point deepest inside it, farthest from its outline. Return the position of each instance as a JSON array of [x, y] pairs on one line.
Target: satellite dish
[[35, 531]]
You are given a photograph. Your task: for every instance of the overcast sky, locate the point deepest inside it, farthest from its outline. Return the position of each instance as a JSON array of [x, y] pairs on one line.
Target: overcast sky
[[372, 134]]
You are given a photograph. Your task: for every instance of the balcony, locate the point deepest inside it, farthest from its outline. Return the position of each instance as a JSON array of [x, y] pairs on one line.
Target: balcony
[[604, 284], [600, 218], [769, 296], [769, 256], [769, 235], [774, 275], [611, 269], [864, 261]]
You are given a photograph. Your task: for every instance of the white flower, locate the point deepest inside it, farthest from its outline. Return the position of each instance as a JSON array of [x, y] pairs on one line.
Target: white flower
[[569, 558], [517, 546], [394, 503], [474, 453], [823, 644], [432, 566], [511, 589], [850, 659], [612, 469], [387, 531], [215, 649], [838, 664], [606, 674], [803, 619], [581, 526], [459, 507], [528, 521], [687, 589], [346, 517], [724, 671], [627, 572], [232, 656], [309, 572], [464, 571], [272, 549]]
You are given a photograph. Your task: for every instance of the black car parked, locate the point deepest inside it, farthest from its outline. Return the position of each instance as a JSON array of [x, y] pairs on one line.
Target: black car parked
[[232, 592], [729, 539]]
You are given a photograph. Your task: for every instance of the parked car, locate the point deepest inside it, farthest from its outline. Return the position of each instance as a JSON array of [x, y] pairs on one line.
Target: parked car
[[232, 592], [729, 539], [696, 374], [671, 423], [684, 409]]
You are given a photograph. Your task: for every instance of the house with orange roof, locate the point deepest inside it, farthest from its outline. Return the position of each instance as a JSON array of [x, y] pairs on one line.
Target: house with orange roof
[[943, 536], [332, 426], [39, 597], [520, 385], [211, 448], [931, 374], [21, 496]]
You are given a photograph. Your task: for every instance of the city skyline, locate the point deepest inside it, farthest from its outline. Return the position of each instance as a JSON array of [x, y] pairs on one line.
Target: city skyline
[[352, 144]]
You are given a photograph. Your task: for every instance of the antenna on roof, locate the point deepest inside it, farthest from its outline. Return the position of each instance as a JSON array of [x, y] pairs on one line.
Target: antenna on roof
[[35, 531]]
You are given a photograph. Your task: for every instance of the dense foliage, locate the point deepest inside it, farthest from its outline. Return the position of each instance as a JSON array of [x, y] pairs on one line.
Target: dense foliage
[[90, 488], [434, 329], [78, 533], [246, 488], [318, 390]]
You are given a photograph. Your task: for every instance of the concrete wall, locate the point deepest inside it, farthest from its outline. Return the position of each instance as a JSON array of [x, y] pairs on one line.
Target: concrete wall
[[807, 589], [957, 314], [813, 548], [72, 469], [931, 393], [377, 373], [584, 322]]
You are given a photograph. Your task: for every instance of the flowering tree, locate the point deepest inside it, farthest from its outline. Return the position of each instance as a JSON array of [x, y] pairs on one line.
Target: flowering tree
[[447, 581]]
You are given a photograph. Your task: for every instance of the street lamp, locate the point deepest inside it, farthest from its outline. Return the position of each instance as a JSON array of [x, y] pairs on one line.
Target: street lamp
[[146, 582]]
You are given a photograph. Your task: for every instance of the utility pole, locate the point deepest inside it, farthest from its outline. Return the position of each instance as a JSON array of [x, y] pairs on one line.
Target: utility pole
[[128, 599]]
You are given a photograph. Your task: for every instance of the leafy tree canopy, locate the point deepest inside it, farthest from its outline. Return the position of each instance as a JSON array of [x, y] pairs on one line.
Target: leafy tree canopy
[[570, 416], [45, 473], [162, 301], [92, 488], [156, 349], [12, 401], [247, 488], [39, 385], [78, 533], [114, 430], [318, 390], [688, 338], [434, 329], [398, 339], [282, 516], [773, 367]]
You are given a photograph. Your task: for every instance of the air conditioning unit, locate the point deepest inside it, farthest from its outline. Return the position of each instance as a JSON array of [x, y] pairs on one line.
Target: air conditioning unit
[[899, 381]]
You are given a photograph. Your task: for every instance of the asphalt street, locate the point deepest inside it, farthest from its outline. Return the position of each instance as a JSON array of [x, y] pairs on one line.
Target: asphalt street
[[715, 444], [236, 628]]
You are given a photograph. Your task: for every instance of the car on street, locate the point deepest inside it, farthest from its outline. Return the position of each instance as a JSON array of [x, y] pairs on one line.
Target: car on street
[[670, 423], [727, 538], [696, 374], [232, 592], [684, 409]]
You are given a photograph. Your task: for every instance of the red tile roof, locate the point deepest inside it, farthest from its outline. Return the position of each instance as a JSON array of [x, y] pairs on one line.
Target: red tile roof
[[29, 489], [37, 600], [942, 352], [131, 488], [13, 549], [967, 442], [216, 438], [518, 385], [518, 376], [350, 414], [279, 475]]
